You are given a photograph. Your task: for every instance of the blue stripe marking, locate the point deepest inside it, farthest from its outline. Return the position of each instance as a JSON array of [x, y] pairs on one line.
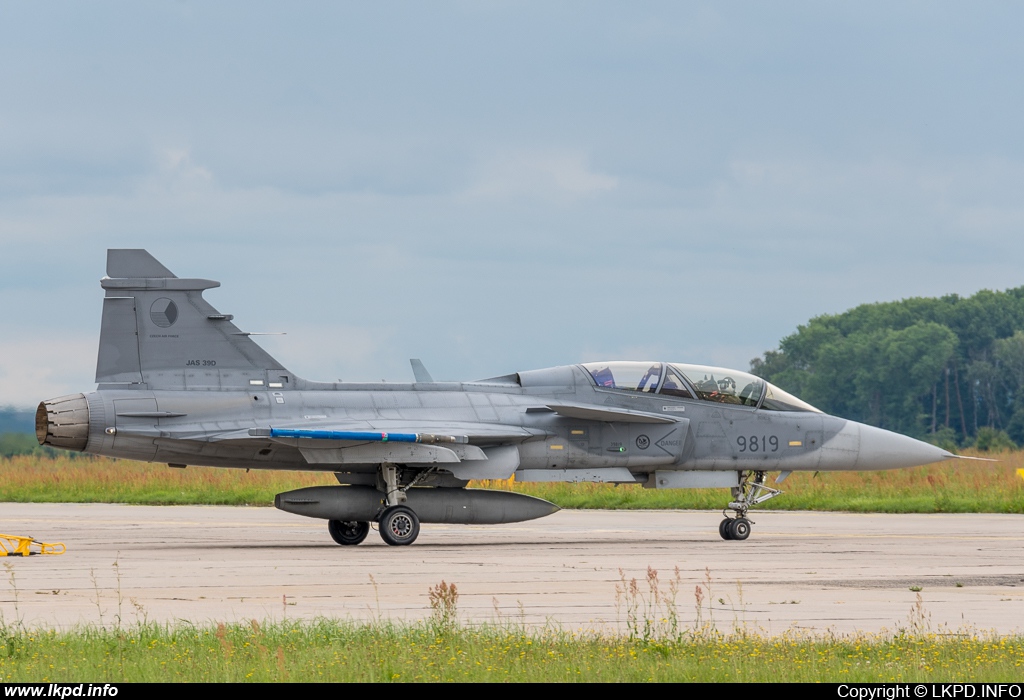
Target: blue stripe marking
[[345, 435]]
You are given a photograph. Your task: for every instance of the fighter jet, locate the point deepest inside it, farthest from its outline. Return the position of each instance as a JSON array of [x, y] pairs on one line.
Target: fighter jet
[[179, 383]]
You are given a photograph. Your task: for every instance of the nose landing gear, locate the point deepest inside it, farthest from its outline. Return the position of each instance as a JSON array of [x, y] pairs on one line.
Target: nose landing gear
[[750, 492], [734, 529]]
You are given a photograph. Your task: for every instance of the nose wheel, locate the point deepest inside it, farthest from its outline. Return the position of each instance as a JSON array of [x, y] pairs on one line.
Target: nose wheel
[[734, 529]]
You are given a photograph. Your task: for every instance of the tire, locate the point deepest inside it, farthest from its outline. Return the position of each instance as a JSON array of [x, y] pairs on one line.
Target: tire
[[348, 532], [739, 529], [399, 526], [723, 529]]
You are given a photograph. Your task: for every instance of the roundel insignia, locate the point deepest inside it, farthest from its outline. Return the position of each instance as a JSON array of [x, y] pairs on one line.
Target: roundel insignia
[[643, 442], [163, 312]]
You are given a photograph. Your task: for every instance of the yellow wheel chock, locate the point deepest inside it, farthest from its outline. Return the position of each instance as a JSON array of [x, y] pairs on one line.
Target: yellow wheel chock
[[16, 546]]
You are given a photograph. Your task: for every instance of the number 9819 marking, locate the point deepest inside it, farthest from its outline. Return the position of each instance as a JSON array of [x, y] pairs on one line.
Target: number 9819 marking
[[758, 443]]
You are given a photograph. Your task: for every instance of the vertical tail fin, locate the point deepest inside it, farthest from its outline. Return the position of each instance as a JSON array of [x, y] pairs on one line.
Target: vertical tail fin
[[419, 372], [159, 332]]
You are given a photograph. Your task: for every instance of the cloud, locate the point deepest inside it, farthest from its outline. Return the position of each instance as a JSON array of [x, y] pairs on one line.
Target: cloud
[[504, 186], [865, 205], [176, 171], [330, 352], [45, 365], [540, 174]]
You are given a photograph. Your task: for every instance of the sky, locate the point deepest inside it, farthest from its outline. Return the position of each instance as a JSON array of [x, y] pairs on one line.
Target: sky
[[501, 186]]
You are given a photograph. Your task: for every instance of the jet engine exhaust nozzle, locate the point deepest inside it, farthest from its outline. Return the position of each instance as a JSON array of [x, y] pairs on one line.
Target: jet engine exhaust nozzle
[[63, 422]]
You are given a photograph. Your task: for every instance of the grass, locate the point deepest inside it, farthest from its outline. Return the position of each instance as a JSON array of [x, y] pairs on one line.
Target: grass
[[657, 646], [950, 487], [38, 479], [334, 651]]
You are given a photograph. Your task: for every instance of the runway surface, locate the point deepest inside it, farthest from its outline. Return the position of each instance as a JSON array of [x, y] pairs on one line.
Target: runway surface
[[811, 571]]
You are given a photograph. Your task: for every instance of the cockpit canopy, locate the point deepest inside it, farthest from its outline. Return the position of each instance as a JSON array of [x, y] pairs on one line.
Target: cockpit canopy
[[716, 384]]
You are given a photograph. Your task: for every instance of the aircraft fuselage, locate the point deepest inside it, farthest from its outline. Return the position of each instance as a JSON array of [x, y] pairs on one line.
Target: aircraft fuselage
[[179, 383]]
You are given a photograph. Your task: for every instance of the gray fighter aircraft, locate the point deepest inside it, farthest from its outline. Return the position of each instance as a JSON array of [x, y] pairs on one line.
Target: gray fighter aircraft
[[180, 383]]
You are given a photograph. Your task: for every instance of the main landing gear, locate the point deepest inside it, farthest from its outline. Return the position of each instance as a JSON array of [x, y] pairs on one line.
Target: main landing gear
[[399, 526], [750, 492], [398, 523], [348, 533]]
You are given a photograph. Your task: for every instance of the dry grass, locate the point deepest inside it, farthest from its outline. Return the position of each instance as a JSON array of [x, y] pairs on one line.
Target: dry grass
[[31, 478], [960, 486]]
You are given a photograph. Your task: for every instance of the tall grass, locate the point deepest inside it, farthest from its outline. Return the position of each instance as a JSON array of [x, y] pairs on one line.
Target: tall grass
[[959, 486], [38, 479], [952, 487], [335, 651]]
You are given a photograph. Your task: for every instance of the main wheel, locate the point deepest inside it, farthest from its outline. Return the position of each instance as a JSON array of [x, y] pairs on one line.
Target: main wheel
[[399, 526], [723, 529], [739, 529], [348, 532]]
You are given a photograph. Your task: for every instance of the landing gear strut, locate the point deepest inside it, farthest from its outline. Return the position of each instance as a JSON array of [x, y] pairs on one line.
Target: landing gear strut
[[399, 525], [750, 492]]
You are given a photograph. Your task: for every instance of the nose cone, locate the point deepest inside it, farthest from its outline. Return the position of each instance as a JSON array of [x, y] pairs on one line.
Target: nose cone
[[880, 449], [874, 448]]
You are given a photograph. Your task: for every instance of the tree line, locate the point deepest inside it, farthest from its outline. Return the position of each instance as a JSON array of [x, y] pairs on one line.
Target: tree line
[[950, 370], [17, 420]]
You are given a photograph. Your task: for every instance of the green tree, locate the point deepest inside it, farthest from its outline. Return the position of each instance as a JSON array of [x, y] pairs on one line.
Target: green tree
[[919, 366], [1009, 353]]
